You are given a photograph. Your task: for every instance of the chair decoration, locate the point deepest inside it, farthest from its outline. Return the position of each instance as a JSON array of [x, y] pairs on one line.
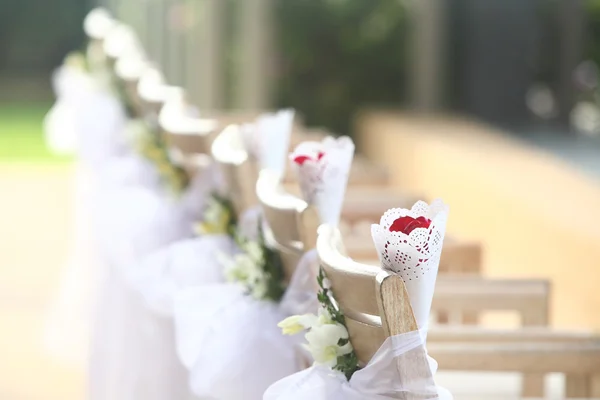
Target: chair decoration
[[246, 310], [266, 141], [323, 169], [410, 244]]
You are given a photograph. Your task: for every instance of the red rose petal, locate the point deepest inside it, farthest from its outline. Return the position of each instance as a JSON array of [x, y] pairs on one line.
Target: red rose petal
[[407, 224], [300, 160]]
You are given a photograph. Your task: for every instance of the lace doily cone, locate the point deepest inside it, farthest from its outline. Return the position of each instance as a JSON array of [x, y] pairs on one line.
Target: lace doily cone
[[414, 257], [322, 170]]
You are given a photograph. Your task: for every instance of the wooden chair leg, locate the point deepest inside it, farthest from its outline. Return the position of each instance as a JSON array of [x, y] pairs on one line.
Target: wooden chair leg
[[533, 385], [577, 386]]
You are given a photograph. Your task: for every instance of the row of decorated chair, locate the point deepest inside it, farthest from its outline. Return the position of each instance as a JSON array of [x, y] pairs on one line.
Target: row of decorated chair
[[374, 301]]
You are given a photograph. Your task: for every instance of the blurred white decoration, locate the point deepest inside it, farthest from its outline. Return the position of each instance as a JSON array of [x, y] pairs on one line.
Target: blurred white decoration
[[323, 169], [540, 101], [120, 40], [274, 133], [585, 117], [97, 23]]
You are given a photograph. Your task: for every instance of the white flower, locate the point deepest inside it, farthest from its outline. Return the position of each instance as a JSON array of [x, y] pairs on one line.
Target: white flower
[[323, 343], [326, 284], [254, 251], [296, 323], [258, 287], [240, 268]]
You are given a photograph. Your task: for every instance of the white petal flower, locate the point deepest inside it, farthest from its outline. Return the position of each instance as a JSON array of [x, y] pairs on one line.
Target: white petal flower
[[323, 343], [254, 251], [297, 323]]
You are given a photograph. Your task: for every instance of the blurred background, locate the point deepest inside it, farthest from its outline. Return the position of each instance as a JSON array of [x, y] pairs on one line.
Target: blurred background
[[492, 105]]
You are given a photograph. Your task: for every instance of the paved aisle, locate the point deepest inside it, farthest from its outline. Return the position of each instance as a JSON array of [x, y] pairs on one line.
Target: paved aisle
[[35, 204]]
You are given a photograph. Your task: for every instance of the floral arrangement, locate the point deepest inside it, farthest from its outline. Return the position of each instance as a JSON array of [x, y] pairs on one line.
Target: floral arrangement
[[257, 267], [327, 338], [219, 217], [152, 146]]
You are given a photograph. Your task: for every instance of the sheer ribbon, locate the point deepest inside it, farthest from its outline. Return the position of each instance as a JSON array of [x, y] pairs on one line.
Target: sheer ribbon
[[400, 370], [230, 342]]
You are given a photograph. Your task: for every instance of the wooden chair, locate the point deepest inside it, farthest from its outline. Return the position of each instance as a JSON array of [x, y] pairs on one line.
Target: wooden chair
[[189, 136], [281, 212], [375, 304], [153, 92], [238, 168]]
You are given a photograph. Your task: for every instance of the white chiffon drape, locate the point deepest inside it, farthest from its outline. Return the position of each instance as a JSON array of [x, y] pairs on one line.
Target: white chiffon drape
[[230, 341], [388, 376]]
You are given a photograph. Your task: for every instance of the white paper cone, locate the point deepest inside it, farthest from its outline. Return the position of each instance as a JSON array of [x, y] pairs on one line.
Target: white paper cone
[[322, 170], [416, 256], [275, 131]]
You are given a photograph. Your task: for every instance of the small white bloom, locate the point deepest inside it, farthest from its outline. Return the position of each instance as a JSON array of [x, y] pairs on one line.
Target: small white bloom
[[296, 323], [326, 284], [254, 251], [259, 288], [323, 343]]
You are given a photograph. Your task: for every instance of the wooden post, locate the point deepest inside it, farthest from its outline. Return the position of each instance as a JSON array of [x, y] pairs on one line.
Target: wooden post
[[156, 32], [572, 16], [175, 28], [204, 64], [256, 54], [427, 53]]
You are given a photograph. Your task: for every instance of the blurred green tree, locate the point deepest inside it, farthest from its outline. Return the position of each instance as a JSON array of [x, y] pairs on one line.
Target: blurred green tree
[[35, 35], [337, 56]]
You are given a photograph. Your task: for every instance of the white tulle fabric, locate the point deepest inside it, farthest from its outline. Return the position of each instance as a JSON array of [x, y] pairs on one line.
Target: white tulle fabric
[[85, 120], [380, 379], [186, 263], [415, 257], [230, 342], [323, 180]]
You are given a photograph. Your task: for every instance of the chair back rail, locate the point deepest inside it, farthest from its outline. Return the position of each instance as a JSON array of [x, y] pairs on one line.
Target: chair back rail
[[362, 173], [475, 334], [580, 362], [529, 298]]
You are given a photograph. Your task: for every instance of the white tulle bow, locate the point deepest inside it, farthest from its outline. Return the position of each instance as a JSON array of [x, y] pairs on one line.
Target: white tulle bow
[[231, 343], [388, 376]]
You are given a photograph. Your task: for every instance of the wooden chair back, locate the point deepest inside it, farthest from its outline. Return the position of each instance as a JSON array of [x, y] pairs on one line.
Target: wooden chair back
[[375, 302], [281, 211], [153, 92], [239, 170], [183, 127]]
